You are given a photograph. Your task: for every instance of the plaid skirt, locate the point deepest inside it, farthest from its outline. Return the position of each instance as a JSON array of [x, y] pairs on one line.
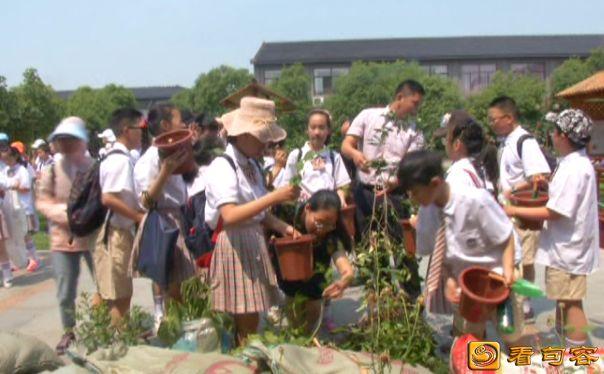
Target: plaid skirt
[[182, 267], [241, 274]]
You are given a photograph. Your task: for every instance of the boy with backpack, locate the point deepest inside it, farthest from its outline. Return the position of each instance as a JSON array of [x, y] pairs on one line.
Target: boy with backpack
[[521, 164], [71, 139], [115, 241], [569, 243]]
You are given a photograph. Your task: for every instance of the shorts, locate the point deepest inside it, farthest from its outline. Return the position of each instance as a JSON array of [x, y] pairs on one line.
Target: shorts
[[562, 285], [530, 242], [112, 263]]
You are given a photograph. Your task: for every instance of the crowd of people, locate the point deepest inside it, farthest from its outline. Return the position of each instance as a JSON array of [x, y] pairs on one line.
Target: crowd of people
[[243, 177]]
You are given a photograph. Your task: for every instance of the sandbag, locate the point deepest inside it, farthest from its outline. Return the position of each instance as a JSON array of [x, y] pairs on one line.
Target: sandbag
[[26, 354]]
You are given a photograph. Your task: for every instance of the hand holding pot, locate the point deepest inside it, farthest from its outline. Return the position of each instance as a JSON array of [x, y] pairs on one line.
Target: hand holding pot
[[172, 162], [452, 291], [334, 290]]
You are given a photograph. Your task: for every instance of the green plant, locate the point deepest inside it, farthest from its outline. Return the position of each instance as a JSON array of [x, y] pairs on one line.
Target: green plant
[[94, 329], [195, 304]]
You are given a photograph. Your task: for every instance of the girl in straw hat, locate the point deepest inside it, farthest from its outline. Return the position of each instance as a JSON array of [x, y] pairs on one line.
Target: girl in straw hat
[[243, 280]]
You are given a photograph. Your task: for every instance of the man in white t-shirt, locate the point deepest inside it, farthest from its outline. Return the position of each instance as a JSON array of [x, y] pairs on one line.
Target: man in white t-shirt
[[114, 244], [569, 244], [517, 172]]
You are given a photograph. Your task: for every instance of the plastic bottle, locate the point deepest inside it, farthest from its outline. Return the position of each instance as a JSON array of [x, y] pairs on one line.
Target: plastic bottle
[[505, 317]]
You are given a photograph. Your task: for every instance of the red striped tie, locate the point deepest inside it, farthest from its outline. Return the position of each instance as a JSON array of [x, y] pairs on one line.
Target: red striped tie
[[436, 265]]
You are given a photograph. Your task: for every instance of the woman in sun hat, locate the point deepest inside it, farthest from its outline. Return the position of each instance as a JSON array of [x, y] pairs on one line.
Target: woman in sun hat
[[243, 280]]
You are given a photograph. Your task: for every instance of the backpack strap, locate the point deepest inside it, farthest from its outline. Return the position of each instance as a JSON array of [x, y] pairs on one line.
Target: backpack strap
[[299, 155], [230, 160], [474, 178], [520, 142]]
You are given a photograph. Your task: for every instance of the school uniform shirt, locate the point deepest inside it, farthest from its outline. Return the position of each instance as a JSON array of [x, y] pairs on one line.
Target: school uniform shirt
[[146, 171], [367, 126], [41, 164], [477, 230], [18, 175], [320, 173], [228, 186], [117, 177], [571, 243], [512, 169], [199, 183]]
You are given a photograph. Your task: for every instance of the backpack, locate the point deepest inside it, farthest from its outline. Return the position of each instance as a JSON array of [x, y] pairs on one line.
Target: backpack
[[551, 159], [85, 210], [198, 235]]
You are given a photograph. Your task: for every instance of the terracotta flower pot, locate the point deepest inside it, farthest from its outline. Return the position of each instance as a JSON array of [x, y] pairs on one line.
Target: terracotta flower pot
[[408, 237], [173, 141], [525, 198], [348, 214], [295, 257], [480, 293]]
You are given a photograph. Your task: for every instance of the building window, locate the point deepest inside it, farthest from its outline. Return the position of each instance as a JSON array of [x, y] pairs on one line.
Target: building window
[[531, 68], [436, 69], [324, 79], [477, 76], [271, 76]]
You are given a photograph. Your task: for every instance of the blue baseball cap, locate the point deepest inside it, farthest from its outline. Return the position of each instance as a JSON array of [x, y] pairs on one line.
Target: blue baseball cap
[[4, 137], [71, 127]]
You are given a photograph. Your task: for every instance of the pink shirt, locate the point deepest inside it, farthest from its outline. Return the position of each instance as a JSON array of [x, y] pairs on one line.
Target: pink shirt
[[367, 127]]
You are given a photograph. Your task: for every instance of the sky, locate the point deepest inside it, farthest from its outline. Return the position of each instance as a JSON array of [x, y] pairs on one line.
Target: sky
[[171, 42]]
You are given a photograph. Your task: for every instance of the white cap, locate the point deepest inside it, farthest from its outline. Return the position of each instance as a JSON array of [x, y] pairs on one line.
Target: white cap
[[107, 135], [38, 143], [70, 126]]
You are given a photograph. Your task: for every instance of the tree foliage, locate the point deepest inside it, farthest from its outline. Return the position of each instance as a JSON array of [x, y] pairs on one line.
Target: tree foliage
[[294, 83], [8, 107], [211, 87], [574, 70], [39, 108]]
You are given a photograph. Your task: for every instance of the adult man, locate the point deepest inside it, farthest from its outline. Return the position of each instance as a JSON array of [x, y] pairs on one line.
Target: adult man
[[114, 247], [517, 171], [386, 134]]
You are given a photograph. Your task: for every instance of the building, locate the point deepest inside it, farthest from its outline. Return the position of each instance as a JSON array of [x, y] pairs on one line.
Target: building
[[472, 60], [145, 96]]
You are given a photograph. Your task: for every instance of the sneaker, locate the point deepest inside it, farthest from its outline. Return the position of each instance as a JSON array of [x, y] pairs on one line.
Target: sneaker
[[8, 283], [33, 265], [64, 343]]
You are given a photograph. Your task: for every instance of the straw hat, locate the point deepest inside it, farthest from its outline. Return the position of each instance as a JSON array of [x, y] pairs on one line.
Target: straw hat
[[255, 117]]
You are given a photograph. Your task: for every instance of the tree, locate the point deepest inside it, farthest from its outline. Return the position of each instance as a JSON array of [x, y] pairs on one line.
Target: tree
[[8, 107], [294, 83], [39, 108], [211, 87], [528, 91], [374, 84], [570, 72]]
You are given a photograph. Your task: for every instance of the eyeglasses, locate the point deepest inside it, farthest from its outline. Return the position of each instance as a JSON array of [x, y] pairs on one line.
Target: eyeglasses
[[496, 119], [323, 226]]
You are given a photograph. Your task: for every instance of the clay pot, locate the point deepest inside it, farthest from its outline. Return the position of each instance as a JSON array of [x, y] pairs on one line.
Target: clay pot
[[348, 214], [408, 237], [173, 141], [525, 198], [295, 257], [481, 293]]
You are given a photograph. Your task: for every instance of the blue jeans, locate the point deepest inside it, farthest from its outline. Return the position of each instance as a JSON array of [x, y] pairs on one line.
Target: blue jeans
[[67, 271]]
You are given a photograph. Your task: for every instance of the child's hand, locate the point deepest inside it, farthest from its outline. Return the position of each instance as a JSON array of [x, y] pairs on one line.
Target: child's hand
[[334, 290], [509, 277], [172, 162], [286, 193], [413, 221], [510, 210], [280, 157], [291, 231], [452, 291]]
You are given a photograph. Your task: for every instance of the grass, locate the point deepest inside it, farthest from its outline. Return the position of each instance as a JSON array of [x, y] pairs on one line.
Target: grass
[[41, 237]]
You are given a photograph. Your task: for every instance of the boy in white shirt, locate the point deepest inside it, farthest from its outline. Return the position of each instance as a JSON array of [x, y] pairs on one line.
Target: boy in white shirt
[[521, 163], [477, 231], [114, 244], [569, 242]]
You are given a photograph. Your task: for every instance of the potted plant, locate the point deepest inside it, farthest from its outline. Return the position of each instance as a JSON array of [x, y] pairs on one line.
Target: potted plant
[[173, 141], [534, 198]]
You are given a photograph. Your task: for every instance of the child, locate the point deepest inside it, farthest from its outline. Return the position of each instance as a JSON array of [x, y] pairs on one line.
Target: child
[[19, 179], [326, 170], [242, 277], [476, 229], [115, 242], [156, 185], [569, 242], [320, 216]]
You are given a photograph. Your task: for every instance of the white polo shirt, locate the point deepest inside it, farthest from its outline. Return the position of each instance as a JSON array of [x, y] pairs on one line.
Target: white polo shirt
[[199, 183], [367, 127], [571, 243], [146, 171], [18, 175], [117, 177], [512, 169], [227, 186], [316, 174], [477, 230]]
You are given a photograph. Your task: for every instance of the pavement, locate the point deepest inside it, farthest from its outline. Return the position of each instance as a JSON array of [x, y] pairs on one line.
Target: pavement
[[30, 306]]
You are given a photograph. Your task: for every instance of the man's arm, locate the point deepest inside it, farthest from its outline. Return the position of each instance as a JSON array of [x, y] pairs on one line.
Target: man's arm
[[115, 204], [350, 149]]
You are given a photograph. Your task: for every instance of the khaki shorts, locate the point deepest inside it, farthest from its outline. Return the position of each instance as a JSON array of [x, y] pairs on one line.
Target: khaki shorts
[[562, 285], [530, 241], [112, 262]]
